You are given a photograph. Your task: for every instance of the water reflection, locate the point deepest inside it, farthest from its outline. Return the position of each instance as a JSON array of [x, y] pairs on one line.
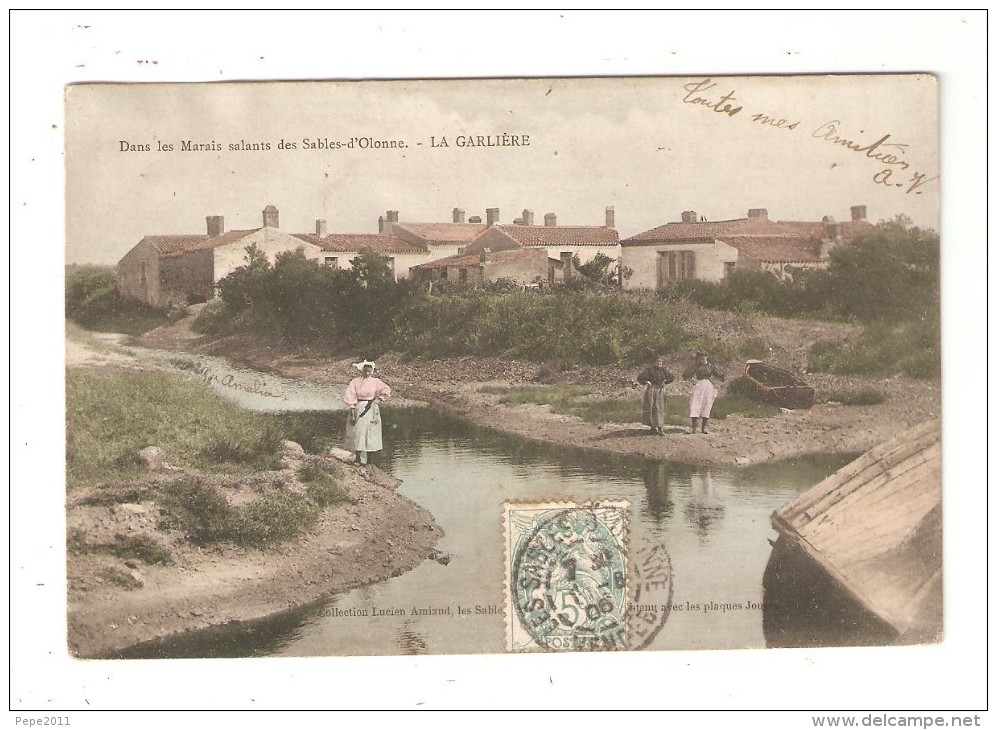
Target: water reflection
[[659, 499], [704, 509]]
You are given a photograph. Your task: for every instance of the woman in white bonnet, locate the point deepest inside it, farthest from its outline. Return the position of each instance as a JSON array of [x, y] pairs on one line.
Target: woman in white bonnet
[[363, 426], [703, 394]]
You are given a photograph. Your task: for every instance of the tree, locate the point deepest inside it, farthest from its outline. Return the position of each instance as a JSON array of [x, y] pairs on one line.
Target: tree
[[890, 273], [371, 271], [603, 270]]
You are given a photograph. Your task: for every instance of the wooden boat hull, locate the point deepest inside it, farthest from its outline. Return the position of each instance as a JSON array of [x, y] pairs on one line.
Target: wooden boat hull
[[859, 556], [778, 387]]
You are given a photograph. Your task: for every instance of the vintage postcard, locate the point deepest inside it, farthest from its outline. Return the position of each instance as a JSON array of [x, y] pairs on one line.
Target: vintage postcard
[[502, 365]]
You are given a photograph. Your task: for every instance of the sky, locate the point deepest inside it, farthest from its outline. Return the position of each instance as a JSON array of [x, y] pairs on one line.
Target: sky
[[649, 147], [75, 198]]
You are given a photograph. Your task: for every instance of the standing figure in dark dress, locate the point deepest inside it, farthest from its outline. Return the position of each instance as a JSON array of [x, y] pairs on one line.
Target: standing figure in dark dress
[[654, 379]]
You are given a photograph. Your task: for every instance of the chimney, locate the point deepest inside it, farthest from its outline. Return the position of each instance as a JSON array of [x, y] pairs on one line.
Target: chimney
[[271, 219], [762, 213], [689, 216], [474, 219], [320, 227], [527, 217], [550, 219], [392, 216], [458, 215], [858, 212], [216, 225], [380, 224], [492, 216], [610, 217], [519, 222]]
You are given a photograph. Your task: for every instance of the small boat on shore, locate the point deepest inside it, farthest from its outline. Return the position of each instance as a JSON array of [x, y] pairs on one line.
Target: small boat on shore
[[859, 556], [777, 387]]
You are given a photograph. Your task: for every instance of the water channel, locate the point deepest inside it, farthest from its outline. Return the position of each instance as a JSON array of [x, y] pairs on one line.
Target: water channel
[[714, 523]]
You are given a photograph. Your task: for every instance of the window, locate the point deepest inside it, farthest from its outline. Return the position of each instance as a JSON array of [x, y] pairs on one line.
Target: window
[[463, 276], [674, 265], [332, 261], [728, 268]]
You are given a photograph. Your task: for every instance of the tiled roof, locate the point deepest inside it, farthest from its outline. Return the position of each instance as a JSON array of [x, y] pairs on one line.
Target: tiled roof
[[807, 229], [561, 235], [461, 260], [350, 242], [851, 230], [777, 249], [445, 232], [706, 231], [176, 245], [468, 260]]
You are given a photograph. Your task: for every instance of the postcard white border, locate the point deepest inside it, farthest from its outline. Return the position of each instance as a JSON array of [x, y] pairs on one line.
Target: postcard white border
[[50, 49]]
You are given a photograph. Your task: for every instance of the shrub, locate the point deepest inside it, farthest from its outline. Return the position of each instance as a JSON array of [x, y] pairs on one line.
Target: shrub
[[323, 487], [140, 548], [197, 510], [275, 518], [909, 347], [118, 577], [203, 514]]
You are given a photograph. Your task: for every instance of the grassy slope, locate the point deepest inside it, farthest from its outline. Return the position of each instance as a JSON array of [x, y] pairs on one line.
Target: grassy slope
[[112, 415]]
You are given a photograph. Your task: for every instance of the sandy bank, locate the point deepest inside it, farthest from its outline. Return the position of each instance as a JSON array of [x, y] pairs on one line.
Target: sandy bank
[[454, 385], [115, 602], [379, 536]]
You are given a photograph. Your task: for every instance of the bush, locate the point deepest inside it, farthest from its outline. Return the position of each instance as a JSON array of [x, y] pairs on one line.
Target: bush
[[118, 577], [274, 519], [570, 327], [300, 301], [204, 516], [198, 511], [140, 548], [910, 347], [323, 486]]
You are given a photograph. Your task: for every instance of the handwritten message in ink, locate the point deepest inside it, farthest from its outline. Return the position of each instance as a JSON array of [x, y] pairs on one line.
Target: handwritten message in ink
[[890, 158]]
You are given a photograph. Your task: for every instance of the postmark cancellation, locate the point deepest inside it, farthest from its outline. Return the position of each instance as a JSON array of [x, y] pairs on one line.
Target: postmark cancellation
[[567, 576]]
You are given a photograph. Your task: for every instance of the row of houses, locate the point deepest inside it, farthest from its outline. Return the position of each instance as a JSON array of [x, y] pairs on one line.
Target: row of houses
[[164, 269]]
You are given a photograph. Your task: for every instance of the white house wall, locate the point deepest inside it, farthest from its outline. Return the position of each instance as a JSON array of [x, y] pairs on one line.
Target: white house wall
[[405, 261], [270, 241], [710, 260]]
